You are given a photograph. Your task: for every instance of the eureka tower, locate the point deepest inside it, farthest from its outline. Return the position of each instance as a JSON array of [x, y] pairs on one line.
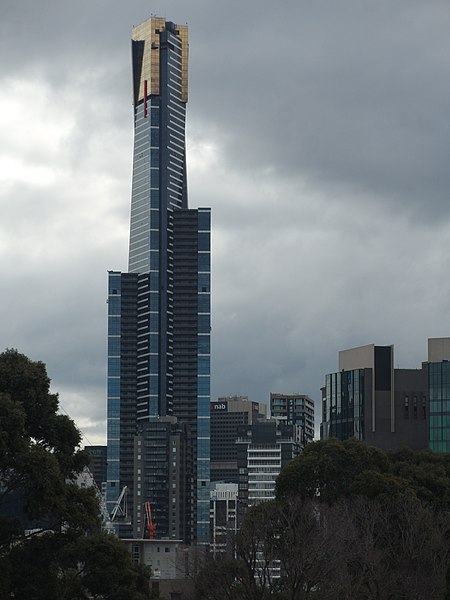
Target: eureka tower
[[159, 312]]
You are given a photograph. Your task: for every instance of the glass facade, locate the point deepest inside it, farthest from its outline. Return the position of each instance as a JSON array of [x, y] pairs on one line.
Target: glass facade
[[439, 395], [113, 388], [203, 375], [344, 416], [159, 330]]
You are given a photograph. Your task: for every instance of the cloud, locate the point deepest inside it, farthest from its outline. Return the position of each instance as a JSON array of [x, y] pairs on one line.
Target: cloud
[[318, 134]]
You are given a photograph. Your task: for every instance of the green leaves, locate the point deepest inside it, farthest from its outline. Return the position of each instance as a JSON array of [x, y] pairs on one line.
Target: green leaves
[[67, 558], [330, 470]]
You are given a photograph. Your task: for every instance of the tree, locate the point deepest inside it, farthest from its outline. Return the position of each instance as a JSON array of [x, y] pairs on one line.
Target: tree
[[350, 521], [65, 555], [331, 470]]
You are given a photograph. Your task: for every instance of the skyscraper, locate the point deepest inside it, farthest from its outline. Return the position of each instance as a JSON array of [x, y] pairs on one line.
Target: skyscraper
[[159, 312], [227, 414], [294, 409]]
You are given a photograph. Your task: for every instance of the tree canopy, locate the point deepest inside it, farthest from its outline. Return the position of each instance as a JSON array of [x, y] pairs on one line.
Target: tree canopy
[[331, 470], [51, 543], [350, 522]]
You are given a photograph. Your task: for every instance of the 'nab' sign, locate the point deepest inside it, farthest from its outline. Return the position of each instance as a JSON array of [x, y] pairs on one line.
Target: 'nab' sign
[[218, 405]]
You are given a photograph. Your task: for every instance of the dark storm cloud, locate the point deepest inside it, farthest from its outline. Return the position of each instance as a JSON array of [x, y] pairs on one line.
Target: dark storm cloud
[[346, 93], [319, 134]]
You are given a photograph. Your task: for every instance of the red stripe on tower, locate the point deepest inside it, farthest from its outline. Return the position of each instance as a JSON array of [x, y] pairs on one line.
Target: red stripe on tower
[[145, 98]]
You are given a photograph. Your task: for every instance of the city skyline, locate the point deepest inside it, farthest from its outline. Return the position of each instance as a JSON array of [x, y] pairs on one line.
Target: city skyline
[[324, 161]]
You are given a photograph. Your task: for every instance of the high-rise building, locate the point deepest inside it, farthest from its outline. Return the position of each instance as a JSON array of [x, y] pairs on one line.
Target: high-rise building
[[227, 414], [263, 449], [370, 400], [439, 393], [159, 312], [223, 514], [97, 465], [294, 409]]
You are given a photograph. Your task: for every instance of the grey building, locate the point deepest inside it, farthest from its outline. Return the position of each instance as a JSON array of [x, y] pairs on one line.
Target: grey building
[[294, 409], [263, 449], [370, 400], [159, 312], [227, 415], [223, 515]]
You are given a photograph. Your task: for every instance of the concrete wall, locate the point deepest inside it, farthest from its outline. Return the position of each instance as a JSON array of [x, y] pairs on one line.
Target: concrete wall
[[357, 358], [438, 349]]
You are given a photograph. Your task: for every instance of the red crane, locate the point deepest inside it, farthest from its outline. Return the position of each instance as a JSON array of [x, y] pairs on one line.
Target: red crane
[[149, 526]]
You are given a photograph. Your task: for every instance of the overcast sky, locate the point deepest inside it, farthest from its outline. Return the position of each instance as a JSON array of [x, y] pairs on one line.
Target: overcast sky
[[318, 132]]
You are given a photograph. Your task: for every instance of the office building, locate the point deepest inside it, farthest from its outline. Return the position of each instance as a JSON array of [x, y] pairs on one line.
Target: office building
[[370, 400], [97, 465], [294, 409], [439, 393], [223, 515], [159, 311], [227, 414], [263, 449]]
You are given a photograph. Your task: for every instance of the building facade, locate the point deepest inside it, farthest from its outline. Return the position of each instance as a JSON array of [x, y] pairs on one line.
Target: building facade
[[263, 449], [223, 515], [159, 311], [294, 409], [97, 465], [439, 393], [227, 415], [370, 400]]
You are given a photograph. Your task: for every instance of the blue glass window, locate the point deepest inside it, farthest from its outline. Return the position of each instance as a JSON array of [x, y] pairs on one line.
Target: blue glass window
[[204, 303], [113, 346], [203, 407], [154, 219], [154, 342], [154, 241], [153, 364], [154, 198], [114, 325], [113, 427], [154, 136], [204, 324], [114, 283], [204, 365], [204, 345], [204, 220], [204, 280], [204, 261], [154, 157], [114, 305], [154, 178], [113, 469], [113, 407], [204, 386], [204, 241], [203, 469], [113, 387], [114, 366], [154, 322], [203, 427], [203, 447]]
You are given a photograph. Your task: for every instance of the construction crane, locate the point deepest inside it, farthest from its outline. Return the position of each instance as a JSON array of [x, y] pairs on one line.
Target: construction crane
[[120, 508], [149, 526]]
